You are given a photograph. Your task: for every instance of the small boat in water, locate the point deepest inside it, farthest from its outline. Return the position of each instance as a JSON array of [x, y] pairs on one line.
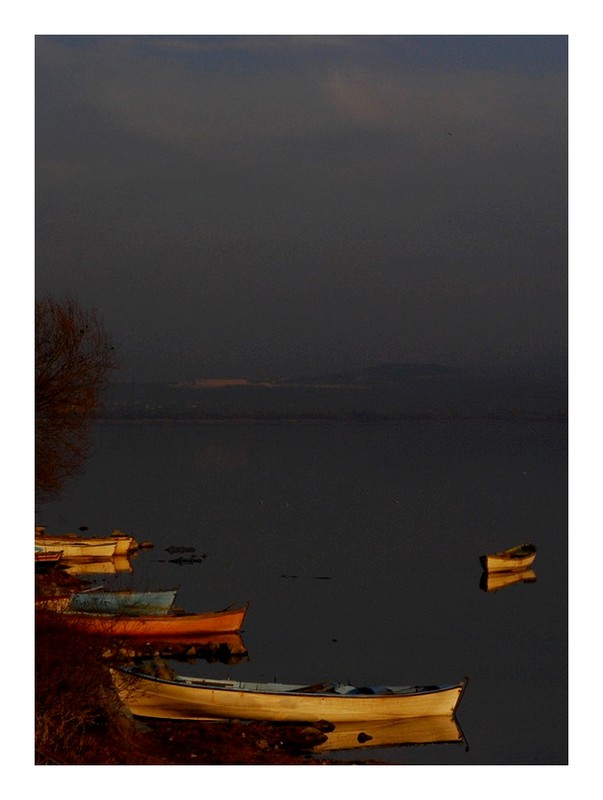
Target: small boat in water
[[66, 541], [183, 697], [128, 602], [494, 581], [157, 627], [73, 549], [46, 560], [512, 560], [102, 601]]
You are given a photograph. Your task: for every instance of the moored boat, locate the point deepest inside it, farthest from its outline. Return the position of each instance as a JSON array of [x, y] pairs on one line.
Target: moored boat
[[102, 601], [47, 560], [128, 602], [74, 549], [182, 697], [512, 560], [152, 626], [123, 543]]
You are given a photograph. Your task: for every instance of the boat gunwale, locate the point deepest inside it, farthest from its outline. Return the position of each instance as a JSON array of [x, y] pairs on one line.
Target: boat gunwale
[[519, 551], [235, 686], [173, 614]]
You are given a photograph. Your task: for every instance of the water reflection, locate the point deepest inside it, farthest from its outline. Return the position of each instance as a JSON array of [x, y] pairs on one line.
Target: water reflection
[[494, 581], [227, 648], [420, 730], [109, 567], [224, 456]]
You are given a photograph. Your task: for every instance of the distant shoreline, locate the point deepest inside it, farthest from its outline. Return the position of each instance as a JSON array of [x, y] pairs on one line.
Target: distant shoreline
[[556, 416]]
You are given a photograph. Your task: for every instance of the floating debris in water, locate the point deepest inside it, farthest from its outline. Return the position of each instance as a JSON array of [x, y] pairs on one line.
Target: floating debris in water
[[188, 559]]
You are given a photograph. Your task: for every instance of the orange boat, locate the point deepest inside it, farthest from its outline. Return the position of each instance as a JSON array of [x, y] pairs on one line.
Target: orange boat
[[159, 627]]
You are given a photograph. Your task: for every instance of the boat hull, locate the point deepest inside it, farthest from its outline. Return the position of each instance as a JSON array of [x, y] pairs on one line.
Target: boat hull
[[45, 561], [129, 603], [159, 627], [73, 549], [515, 559], [123, 544], [126, 602], [155, 697]]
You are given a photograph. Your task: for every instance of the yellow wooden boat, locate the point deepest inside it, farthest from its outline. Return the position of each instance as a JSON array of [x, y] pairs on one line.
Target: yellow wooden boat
[[68, 542], [512, 560], [75, 549], [182, 697]]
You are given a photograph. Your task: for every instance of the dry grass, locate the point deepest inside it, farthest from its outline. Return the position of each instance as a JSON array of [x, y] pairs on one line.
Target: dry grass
[[79, 718], [78, 715]]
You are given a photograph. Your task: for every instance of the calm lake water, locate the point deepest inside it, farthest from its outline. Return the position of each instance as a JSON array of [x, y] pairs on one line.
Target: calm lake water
[[357, 547]]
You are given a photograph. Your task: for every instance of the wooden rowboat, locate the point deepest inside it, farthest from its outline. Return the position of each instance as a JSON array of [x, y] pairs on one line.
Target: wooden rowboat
[[511, 560], [127, 602], [45, 561], [73, 549], [183, 697], [48, 556], [396, 733], [123, 543], [100, 601], [156, 627]]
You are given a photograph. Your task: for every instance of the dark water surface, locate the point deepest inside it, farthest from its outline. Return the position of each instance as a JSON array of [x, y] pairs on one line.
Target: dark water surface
[[357, 546]]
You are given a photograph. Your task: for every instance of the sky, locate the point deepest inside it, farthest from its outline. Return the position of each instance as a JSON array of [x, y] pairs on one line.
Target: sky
[[283, 205]]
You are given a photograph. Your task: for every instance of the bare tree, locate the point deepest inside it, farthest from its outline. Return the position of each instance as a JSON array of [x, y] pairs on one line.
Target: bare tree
[[74, 355]]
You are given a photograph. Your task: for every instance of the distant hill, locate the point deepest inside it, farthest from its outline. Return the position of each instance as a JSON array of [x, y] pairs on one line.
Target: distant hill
[[389, 391], [374, 376]]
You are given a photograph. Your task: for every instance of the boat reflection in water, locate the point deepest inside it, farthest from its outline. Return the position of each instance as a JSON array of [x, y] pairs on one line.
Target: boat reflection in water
[[392, 733], [225, 648], [109, 567], [494, 581]]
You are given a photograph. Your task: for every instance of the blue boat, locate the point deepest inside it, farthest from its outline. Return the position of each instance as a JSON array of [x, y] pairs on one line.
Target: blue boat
[[127, 602]]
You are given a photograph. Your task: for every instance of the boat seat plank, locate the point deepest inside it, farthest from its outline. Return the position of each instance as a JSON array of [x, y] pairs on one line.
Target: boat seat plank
[[315, 688]]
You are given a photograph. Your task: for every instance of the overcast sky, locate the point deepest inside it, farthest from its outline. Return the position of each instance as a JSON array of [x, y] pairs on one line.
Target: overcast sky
[[275, 206]]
